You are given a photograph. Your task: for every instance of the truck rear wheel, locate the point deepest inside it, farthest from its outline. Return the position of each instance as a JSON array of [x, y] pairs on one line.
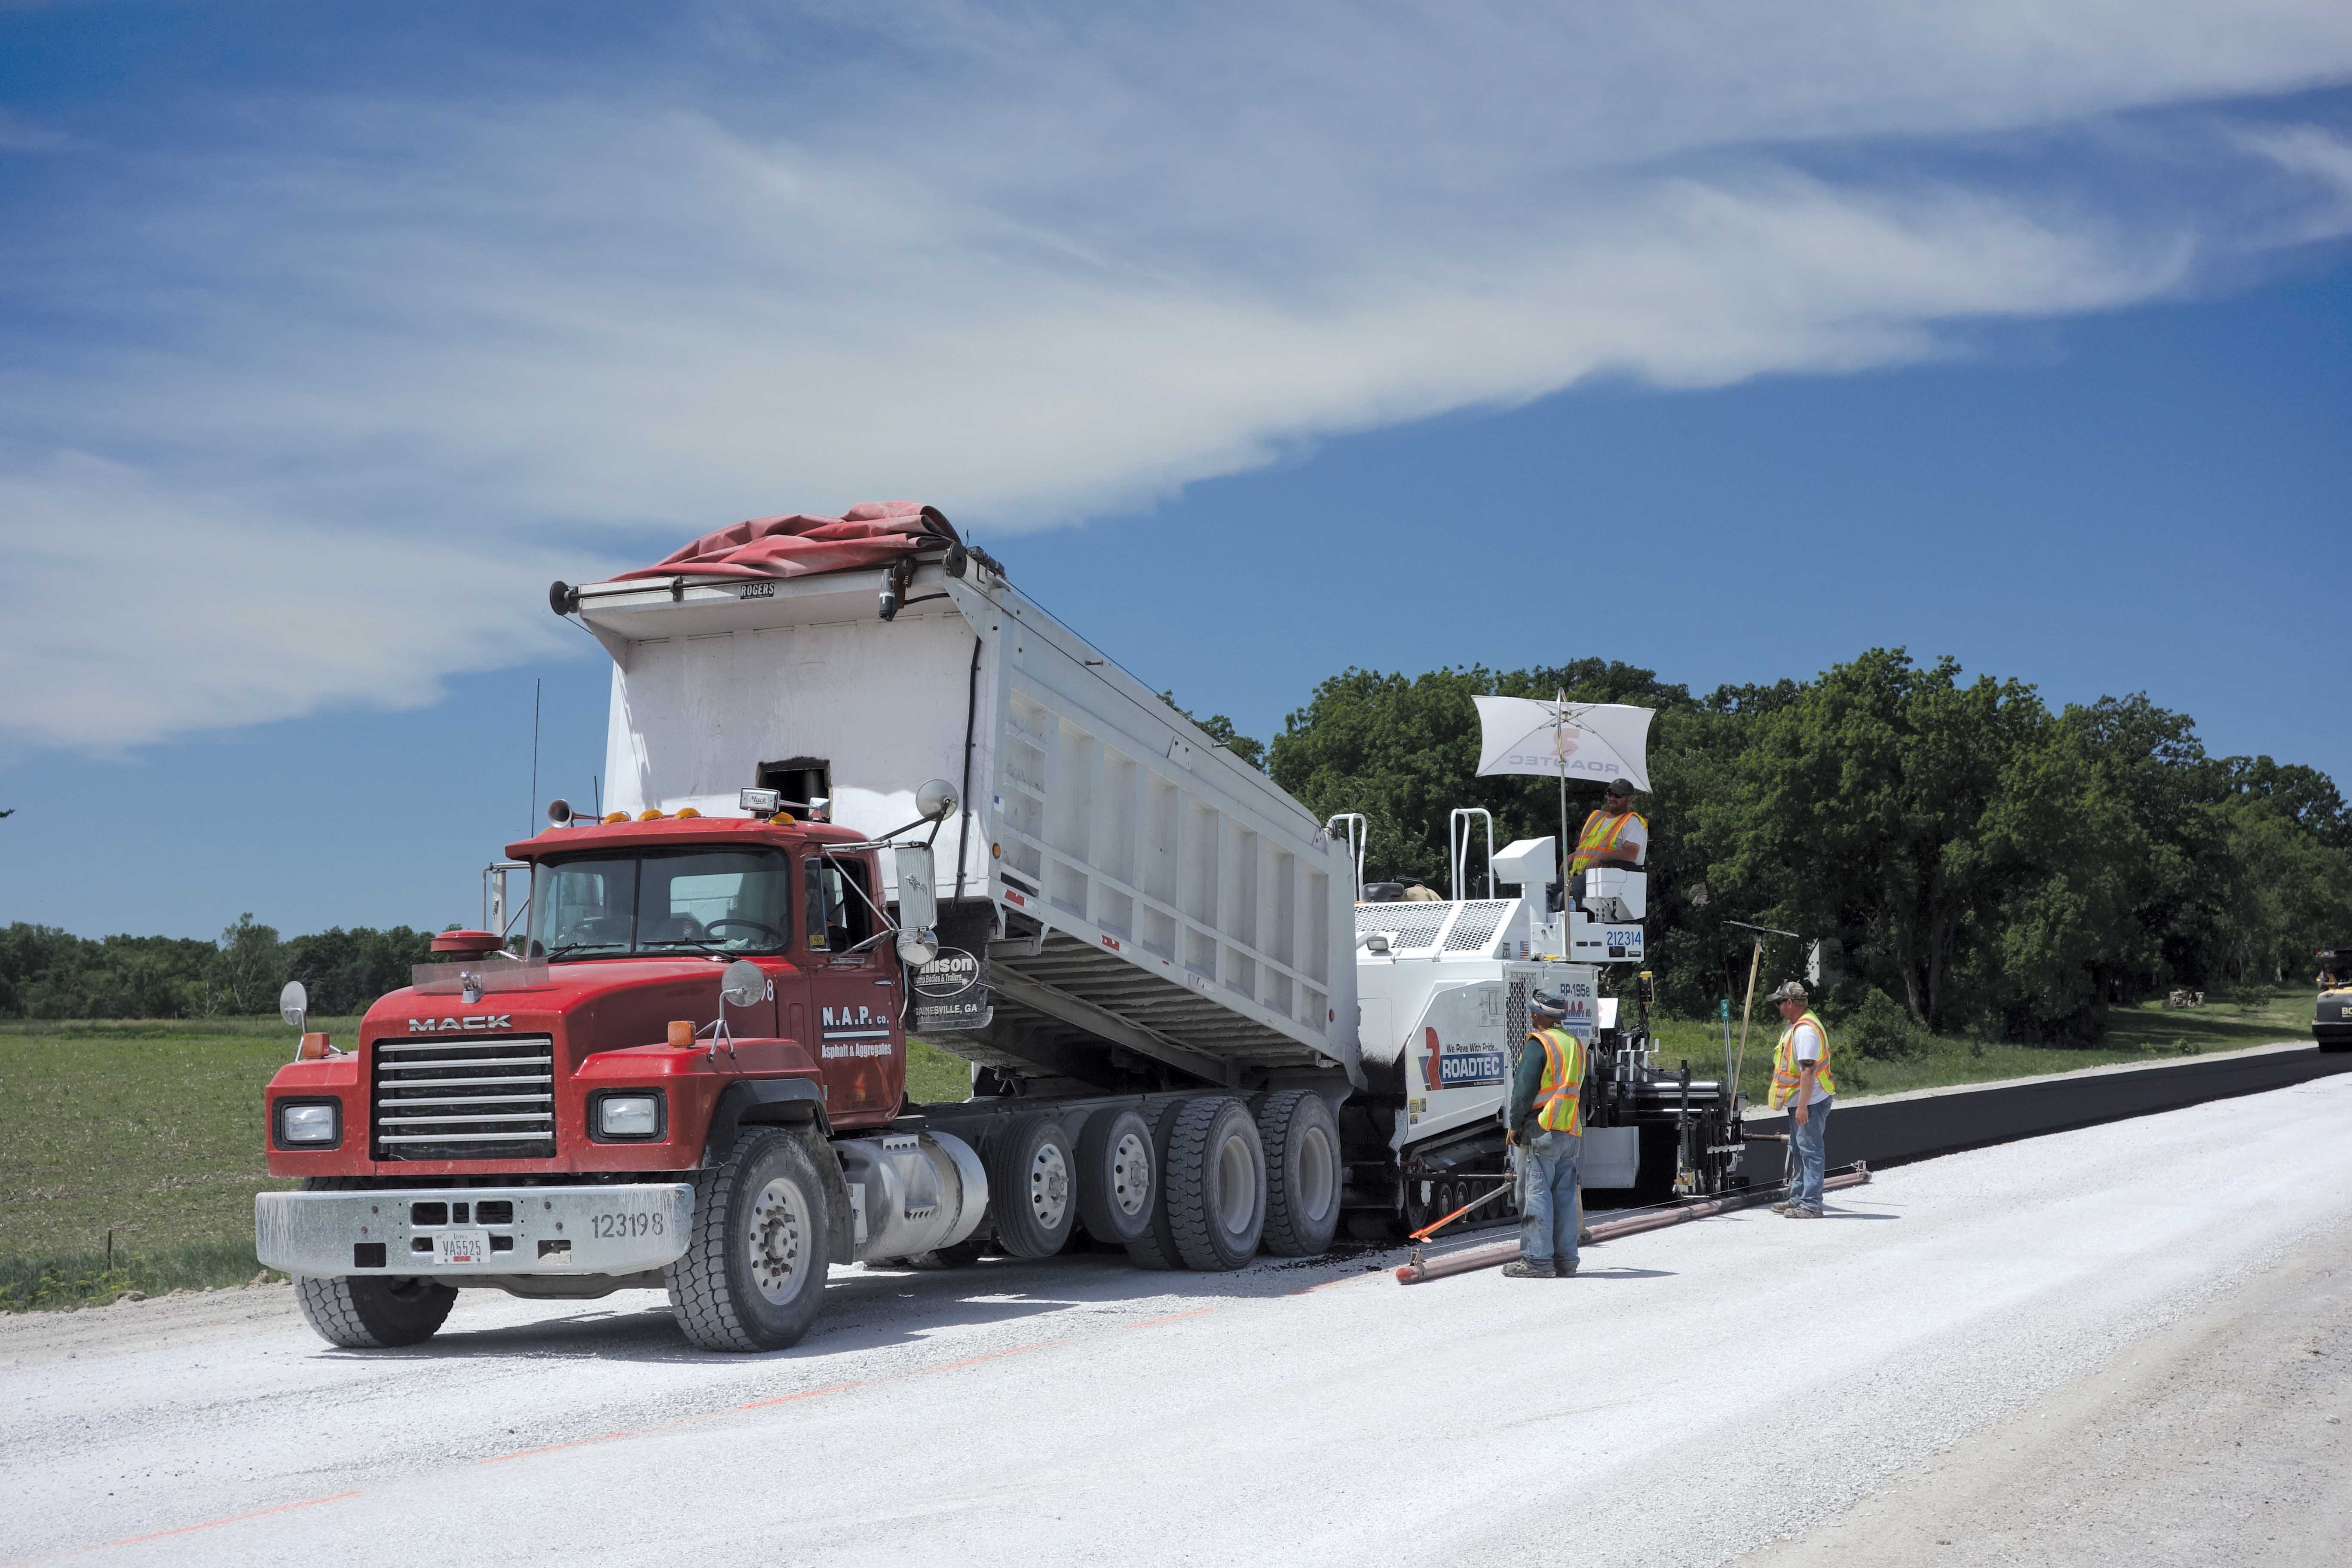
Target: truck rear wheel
[[753, 1275], [371, 1311], [1216, 1184], [1117, 1176], [1302, 1172], [1156, 1247], [1030, 1192]]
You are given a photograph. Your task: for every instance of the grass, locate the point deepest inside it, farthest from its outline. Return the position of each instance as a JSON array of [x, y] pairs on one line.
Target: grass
[[933, 1076], [2146, 1032], [153, 1130]]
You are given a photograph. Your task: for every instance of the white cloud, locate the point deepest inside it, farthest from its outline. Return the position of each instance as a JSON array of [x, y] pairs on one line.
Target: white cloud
[[130, 612], [1047, 268]]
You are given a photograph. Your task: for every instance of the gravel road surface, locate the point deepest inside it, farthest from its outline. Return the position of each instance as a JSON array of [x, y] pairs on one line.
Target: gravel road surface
[[1698, 1393]]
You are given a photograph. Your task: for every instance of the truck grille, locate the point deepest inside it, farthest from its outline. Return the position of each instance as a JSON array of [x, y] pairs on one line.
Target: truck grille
[[465, 1099]]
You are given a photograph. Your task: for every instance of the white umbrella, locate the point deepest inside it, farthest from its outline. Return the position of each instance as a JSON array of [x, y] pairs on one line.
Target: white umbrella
[[1595, 740], [1564, 740]]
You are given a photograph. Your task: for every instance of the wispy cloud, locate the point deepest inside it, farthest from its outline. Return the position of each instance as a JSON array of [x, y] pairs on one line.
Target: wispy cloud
[[1026, 267], [19, 135]]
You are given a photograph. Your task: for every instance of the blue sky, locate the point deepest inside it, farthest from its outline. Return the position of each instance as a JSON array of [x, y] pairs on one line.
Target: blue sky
[[1384, 335]]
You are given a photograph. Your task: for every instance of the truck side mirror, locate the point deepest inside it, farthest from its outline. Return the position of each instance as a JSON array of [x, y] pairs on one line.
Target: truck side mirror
[[294, 1005], [918, 905]]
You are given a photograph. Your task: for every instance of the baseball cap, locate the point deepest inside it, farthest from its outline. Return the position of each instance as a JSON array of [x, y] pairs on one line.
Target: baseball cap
[[1620, 786], [1790, 991]]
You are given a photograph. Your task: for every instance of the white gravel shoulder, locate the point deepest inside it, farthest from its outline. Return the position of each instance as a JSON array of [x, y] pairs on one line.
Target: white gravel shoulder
[[1080, 1409]]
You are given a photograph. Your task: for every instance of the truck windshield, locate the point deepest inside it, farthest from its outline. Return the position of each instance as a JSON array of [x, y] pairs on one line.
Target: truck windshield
[[673, 900]]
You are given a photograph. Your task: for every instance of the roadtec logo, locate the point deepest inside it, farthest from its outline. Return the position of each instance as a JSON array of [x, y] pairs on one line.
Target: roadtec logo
[[473, 1021], [1458, 1067]]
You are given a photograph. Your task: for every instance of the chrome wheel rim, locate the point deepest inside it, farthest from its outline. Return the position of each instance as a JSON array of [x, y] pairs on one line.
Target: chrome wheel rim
[[1236, 1185], [1049, 1185], [1318, 1173], [1130, 1175], [778, 1243]]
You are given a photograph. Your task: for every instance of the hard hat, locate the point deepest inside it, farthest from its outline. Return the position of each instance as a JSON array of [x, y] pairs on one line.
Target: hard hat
[[1790, 991], [1543, 1004]]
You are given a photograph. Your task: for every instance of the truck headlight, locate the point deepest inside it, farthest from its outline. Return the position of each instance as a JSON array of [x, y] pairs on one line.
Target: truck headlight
[[629, 1116], [308, 1124]]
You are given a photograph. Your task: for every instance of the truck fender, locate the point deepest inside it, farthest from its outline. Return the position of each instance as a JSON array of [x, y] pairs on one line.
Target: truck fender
[[797, 1104], [764, 1101]]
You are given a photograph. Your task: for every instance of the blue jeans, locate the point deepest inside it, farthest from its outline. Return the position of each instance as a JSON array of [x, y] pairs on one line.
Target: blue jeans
[[1547, 1217], [1811, 1145]]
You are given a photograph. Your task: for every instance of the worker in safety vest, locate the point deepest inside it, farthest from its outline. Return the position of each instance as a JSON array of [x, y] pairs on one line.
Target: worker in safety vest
[[1546, 1125], [1616, 835], [1802, 1080]]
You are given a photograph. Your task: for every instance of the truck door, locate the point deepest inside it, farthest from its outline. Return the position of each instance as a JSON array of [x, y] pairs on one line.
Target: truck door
[[854, 994]]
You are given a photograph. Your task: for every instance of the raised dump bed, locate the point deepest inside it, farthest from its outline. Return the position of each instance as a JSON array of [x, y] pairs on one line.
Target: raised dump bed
[[1144, 909]]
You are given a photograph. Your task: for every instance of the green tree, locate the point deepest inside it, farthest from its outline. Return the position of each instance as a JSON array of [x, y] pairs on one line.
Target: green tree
[[251, 967], [1221, 731], [1857, 810]]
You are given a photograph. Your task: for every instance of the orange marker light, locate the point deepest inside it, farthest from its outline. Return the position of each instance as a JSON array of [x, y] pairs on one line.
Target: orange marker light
[[314, 1048], [649, 815], [685, 810], [616, 816], [682, 1034]]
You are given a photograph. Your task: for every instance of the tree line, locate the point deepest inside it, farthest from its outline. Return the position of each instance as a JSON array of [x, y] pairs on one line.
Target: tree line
[[46, 973], [1988, 863], [1969, 857]]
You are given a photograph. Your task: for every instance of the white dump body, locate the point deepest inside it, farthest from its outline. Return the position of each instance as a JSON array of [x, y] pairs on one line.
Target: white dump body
[[1190, 910]]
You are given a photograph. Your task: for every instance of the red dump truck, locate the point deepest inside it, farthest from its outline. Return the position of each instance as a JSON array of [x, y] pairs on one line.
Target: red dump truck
[[860, 785]]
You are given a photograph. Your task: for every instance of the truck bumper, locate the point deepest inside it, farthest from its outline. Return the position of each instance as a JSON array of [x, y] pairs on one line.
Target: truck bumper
[[623, 1229]]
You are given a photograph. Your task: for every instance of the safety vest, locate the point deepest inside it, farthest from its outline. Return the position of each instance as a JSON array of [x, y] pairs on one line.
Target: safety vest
[[1786, 1070], [1601, 831], [1558, 1097]]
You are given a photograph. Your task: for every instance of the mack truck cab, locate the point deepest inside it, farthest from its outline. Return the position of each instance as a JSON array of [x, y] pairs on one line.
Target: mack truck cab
[[688, 1073]]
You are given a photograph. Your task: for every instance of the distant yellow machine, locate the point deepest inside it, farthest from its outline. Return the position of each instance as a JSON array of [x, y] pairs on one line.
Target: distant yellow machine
[[2331, 1022]]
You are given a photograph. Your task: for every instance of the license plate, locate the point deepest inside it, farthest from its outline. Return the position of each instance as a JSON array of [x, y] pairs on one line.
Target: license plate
[[462, 1247]]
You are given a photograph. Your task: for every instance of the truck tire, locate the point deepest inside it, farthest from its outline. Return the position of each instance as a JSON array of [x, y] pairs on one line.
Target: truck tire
[[1029, 1182], [371, 1311], [1119, 1175], [1156, 1247], [1303, 1172], [753, 1275], [1216, 1184]]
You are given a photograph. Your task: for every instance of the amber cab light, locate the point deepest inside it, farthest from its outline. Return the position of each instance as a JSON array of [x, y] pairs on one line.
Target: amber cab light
[[681, 1033], [314, 1048]]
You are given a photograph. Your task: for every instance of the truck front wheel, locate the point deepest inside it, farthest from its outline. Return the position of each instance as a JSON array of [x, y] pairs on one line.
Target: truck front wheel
[[753, 1276], [372, 1312]]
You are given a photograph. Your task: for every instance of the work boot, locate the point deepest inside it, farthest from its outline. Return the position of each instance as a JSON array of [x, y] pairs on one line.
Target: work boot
[[1784, 1207], [1527, 1269], [1564, 1271], [1804, 1214]]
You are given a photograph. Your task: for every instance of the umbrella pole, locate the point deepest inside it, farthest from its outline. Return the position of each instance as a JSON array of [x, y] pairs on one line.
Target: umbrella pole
[[1559, 760]]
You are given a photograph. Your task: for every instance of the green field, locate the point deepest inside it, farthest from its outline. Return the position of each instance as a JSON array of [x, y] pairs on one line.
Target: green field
[[153, 1130], [2147, 1032]]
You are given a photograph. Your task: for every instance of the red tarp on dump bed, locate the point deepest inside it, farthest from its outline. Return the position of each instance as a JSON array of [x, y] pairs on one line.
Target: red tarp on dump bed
[[870, 533]]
